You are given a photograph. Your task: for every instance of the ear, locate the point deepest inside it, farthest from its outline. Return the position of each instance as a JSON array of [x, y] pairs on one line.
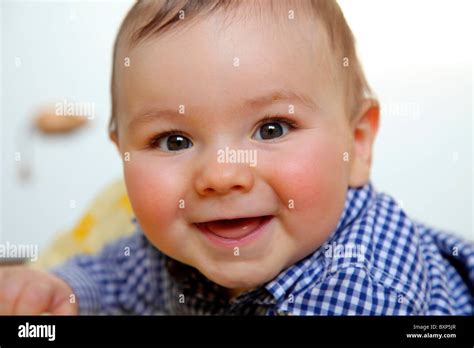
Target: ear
[[364, 128], [113, 136]]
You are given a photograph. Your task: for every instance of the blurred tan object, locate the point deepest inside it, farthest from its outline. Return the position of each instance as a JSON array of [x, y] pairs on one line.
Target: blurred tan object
[[59, 118], [108, 218], [50, 123]]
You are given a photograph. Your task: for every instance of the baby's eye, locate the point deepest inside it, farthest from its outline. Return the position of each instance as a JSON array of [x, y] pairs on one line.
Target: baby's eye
[[171, 142], [272, 129]]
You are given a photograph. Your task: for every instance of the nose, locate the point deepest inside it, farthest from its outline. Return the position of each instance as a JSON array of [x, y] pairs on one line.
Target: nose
[[222, 178]]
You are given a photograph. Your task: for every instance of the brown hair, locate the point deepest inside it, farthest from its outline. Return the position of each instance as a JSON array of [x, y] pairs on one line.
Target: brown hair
[[149, 18]]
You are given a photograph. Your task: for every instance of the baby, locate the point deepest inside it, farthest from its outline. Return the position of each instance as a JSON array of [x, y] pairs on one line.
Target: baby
[[246, 130]]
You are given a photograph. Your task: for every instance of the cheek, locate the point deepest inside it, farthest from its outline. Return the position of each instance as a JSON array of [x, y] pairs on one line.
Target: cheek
[[313, 176], [154, 192], [316, 180]]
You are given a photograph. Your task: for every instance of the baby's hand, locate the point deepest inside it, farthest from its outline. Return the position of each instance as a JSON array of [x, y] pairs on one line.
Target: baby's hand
[[24, 291]]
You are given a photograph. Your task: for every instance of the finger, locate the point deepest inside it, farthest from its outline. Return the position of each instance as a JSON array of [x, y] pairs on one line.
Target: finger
[[64, 307], [9, 290], [61, 304], [34, 298]]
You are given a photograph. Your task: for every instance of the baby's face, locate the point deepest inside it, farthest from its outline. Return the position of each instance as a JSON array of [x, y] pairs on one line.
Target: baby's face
[[195, 96]]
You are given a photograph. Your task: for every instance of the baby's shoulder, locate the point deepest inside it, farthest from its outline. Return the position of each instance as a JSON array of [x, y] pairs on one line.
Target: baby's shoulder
[[383, 241], [384, 262]]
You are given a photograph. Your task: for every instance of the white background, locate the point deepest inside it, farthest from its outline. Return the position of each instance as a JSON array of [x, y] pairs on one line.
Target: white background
[[417, 55]]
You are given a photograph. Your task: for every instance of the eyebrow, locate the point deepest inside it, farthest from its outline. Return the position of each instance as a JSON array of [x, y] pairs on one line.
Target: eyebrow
[[254, 103], [282, 96], [152, 115]]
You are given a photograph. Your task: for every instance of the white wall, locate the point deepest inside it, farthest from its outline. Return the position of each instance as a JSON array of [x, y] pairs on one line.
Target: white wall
[[65, 50], [417, 55]]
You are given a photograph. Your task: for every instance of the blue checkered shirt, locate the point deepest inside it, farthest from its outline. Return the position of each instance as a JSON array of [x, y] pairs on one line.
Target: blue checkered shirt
[[376, 262]]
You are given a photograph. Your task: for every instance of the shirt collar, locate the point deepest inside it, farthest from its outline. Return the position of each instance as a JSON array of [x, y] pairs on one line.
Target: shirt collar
[[357, 201]]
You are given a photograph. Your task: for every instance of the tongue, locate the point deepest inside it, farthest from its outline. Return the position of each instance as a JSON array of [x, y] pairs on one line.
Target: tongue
[[233, 229]]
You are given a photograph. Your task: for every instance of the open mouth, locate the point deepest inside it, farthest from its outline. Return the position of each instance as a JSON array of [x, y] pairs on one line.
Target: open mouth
[[234, 229]]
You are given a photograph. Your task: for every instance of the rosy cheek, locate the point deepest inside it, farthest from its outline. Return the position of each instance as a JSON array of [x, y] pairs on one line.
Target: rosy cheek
[[310, 177], [315, 181], [153, 192]]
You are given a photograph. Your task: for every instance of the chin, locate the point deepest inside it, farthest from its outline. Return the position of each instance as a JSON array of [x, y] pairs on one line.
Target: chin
[[239, 275]]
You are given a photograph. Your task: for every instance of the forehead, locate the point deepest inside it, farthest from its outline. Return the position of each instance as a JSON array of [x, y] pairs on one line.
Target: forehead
[[221, 60]]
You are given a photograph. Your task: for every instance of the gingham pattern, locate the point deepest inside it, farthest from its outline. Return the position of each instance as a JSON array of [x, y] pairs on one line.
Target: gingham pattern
[[376, 262]]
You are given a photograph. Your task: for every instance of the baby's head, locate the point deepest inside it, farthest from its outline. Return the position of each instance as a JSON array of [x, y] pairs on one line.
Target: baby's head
[[225, 110]]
